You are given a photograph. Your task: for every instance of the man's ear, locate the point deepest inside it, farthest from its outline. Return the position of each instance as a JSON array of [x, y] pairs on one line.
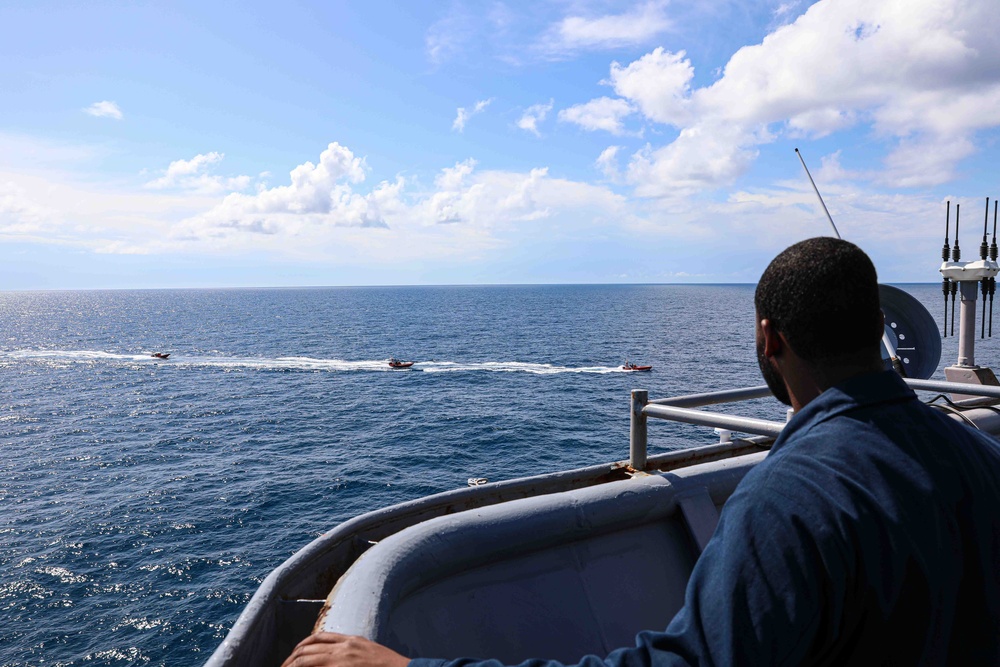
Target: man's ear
[[773, 341]]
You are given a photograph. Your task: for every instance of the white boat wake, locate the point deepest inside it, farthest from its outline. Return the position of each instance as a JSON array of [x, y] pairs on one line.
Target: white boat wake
[[179, 359]]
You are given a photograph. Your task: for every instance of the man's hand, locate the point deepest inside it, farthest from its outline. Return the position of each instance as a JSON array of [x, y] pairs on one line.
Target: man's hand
[[328, 649]]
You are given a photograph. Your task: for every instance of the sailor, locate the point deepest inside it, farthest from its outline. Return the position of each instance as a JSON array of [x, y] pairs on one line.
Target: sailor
[[870, 533]]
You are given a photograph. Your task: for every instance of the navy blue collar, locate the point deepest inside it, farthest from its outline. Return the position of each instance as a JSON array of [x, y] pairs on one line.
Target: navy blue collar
[[865, 390]]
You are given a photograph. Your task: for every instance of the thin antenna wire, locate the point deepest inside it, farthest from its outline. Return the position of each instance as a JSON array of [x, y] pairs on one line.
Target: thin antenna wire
[[886, 343], [816, 190]]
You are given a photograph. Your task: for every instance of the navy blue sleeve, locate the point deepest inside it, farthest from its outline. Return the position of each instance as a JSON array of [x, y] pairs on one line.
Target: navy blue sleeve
[[756, 594]]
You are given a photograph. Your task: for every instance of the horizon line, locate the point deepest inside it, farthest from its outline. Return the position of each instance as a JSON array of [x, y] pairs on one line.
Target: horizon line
[[398, 286]]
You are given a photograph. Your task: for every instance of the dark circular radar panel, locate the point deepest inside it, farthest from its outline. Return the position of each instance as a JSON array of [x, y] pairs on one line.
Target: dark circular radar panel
[[913, 332]]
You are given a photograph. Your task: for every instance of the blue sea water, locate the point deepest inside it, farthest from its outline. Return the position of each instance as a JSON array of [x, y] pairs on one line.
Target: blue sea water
[[142, 501]]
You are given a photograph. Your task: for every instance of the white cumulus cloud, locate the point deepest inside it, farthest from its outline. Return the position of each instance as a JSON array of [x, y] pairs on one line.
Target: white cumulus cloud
[[193, 175], [318, 194], [492, 199], [702, 157], [603, 113], [636, 26], [104, 109], [607, 162], [325, 211], [463, 115], [534, 115], [923, 75], [658, 84]]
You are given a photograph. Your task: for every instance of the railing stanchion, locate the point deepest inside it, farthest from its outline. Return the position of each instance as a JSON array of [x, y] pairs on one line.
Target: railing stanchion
[[637, 430]]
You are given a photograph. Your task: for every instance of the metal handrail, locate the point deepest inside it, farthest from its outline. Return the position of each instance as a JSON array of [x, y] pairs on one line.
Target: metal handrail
[[715, 397], [680, 409], [716, 420], [955, 387]]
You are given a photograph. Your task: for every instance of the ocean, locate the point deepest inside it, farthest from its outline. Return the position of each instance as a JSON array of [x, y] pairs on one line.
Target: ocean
[[142, 501]]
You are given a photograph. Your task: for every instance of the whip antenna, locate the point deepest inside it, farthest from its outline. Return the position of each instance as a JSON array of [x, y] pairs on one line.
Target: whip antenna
[[956, 255], [984, 251], [886, 343], [993, 256], [945, 256], [816, 190], [984, 248], [956, 252]]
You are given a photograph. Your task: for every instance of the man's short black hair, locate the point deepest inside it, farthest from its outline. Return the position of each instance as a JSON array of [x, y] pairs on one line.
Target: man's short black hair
[[822, 294]]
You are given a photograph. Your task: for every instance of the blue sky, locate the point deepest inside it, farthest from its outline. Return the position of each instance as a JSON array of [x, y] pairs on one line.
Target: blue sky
[[185, 144]]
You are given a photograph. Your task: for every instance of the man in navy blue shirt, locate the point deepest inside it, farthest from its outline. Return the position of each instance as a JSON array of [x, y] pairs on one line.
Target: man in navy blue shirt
[[870, 533]]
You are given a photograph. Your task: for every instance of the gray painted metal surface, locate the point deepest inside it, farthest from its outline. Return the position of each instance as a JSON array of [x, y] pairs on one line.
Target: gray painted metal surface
[[969, 291], [604, 551], [284, 608], [558, 576]]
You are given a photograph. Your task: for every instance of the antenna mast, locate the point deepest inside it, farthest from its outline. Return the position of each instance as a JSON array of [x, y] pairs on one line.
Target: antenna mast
[[969, 280]]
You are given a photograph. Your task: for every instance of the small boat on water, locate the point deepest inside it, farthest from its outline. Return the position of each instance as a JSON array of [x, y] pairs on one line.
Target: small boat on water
[[160, 355], [629, 366], [397, 363]]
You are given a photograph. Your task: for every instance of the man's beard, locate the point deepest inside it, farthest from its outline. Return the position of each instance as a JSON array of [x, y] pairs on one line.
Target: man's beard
[[773, 379]]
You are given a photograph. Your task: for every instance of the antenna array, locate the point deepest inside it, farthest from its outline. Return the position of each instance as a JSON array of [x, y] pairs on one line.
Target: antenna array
[[970, 279]]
